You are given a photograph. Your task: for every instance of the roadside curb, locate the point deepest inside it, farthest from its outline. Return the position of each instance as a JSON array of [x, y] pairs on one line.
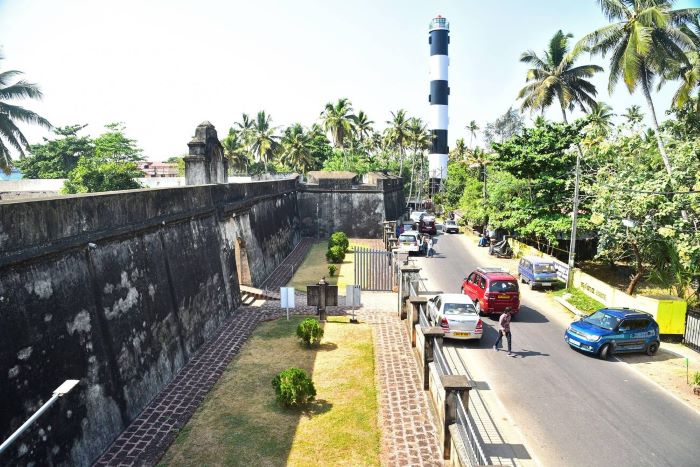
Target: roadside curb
[[569, 306]]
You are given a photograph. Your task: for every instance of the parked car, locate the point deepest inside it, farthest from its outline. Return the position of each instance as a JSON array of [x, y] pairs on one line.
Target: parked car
[[493, 291], [538, 272], [614, 330], [417, 215], [450, 226], [456, 315], [411, 241], [427, 225]]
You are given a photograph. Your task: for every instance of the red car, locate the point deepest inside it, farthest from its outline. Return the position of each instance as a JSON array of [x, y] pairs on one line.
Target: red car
[[427, 225], [492, 290]]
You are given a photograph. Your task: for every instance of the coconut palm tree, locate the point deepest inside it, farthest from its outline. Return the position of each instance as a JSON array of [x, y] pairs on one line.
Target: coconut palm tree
[[459, 152], [419, 139], [10, 114], [472, 128], [643, 37], [245, 131], [362, 126], [235, 150], [633, 114], [337, 120], [297, 148], [600, 119], [554, 76], [263, 138], [397, 134], [688, 70]]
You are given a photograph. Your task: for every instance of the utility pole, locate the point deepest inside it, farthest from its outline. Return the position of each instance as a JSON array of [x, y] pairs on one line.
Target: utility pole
[[574, 218]]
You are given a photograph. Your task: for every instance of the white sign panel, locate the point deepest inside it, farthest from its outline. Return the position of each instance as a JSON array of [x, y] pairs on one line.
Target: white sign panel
[[287, 297], [352, 295]]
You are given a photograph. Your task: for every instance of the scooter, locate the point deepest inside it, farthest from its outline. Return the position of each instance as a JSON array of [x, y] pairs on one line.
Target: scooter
[[501, 249]]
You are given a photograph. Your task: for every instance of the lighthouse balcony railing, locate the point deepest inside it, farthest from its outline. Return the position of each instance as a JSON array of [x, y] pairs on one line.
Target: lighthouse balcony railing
[[439, 23]]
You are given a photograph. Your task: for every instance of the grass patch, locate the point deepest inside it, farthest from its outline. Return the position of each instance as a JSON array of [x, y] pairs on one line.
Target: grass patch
[[579, 299], [241, 424], [313, 268]]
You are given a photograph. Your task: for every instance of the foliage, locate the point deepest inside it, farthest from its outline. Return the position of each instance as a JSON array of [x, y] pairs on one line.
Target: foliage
[[114, 146], [310, 331], [696, 378], [339, 239], [55, 158], [235, 151], [553, 76], [332, 269], [360, 163], [507, 125], [337, 120], [335, 254], [580, 300], [92, 176], [293, 387]]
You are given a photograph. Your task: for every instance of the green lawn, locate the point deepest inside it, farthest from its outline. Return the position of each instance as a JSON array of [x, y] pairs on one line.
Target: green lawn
[[240, 423], [313, 268], [579, 299]]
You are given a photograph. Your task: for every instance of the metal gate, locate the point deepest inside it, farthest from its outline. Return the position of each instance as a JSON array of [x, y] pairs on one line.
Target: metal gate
[[692, 329], [373, 269]]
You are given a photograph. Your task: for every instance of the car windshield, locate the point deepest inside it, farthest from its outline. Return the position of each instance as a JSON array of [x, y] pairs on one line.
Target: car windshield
[[503, 286], [450, 222], [407, 238], [602, 320], [545, 267], [459, 309]]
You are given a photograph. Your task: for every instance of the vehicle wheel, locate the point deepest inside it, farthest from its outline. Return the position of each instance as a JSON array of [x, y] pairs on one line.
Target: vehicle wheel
[[478, 308], [604, 352], [653, 348]]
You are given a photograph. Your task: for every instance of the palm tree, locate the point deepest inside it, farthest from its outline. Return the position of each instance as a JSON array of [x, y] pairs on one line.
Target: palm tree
[[235, 150], [337, 120], [459, 152], [263, 138], [10, 135], [479, 159], [297, 148], [643, 37], [472, 128], [397, 134], [419, 140], [245, 131], [600, 119], [362, 126], [553, 76], [633, 114], [688, 70]]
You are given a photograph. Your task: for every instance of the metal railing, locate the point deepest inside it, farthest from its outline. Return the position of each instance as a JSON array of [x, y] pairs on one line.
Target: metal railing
[[469, 436]]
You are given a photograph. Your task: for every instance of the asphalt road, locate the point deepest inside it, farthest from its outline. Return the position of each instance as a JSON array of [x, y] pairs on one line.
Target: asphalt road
[[571, 408]]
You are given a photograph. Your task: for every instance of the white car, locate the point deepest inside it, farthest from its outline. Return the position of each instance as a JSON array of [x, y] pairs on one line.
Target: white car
[[456, 315], [410, 241], [416, 215]]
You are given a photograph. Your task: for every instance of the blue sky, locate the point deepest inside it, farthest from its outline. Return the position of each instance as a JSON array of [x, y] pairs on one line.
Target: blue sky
[[162, 66]]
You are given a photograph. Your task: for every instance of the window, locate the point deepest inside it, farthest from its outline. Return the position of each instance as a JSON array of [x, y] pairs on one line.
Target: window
[[603, 320], [459, 309], [482, 283], [472, 278], [503, 286], [545, 267]]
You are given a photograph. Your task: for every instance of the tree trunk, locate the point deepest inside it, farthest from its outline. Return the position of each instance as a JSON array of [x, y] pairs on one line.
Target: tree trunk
[[413, 169], [659, 142], [634, 280]]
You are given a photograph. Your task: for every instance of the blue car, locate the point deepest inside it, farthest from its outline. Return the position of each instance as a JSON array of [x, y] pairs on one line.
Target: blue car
[[614, 330], [538, 272]]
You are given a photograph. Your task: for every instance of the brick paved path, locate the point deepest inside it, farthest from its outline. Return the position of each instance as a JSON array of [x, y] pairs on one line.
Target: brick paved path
[[284, 272]]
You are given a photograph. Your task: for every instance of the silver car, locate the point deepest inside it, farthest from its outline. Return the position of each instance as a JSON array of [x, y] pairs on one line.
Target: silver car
[[456, 315]]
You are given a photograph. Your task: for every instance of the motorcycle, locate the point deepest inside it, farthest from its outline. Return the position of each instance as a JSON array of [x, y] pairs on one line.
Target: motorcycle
[[501, 249]]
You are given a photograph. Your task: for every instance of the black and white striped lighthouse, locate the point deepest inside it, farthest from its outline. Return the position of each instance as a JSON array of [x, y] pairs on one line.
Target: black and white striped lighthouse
[[439, 92]]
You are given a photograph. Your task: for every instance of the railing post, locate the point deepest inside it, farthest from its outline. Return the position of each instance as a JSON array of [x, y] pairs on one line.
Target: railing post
[[414, 315], [456, 386], [404, 290], [431, 334]]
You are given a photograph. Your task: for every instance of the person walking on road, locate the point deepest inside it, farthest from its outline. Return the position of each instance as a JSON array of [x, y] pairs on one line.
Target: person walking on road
[[504, 329], [431, 247]]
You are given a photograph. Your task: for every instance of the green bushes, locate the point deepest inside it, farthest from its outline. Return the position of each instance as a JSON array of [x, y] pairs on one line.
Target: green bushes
[[339, 239], [332, 269], [293, 387], [696, 378], [310, 332], [335, 254]]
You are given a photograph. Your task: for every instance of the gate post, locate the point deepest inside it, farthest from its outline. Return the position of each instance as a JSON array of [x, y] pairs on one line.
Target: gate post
[[456, 386], [414, 315], [404, 290], [430, 333]]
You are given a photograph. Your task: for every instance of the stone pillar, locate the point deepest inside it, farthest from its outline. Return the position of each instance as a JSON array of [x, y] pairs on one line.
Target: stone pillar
[[195, 170], [414, 315], [428, 354], [404, 290], [456, 387]]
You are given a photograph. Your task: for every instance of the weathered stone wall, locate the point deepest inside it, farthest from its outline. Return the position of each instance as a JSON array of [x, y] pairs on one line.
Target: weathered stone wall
[[358, 210], [119, 290]]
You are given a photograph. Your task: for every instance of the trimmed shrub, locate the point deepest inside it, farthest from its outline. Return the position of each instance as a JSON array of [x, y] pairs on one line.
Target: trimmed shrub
[[332, 268], [696, 378], [310, 332], [339, 239], [293, 387], [335, 254]]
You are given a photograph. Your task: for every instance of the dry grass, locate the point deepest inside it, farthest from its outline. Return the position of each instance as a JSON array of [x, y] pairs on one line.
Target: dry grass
[[241, 424], [313, 268]]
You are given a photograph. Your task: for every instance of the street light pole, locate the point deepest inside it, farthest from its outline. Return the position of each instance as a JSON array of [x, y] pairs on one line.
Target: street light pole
[[574, 218]]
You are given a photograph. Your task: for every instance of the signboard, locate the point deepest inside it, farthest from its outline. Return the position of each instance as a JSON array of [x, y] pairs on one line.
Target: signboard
[[313, 297], [287, 298], [562, 270], [352, 296]]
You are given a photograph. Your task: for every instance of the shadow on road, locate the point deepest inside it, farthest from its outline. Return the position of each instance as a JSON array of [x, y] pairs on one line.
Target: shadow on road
[[530, 353], [529, 315]]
